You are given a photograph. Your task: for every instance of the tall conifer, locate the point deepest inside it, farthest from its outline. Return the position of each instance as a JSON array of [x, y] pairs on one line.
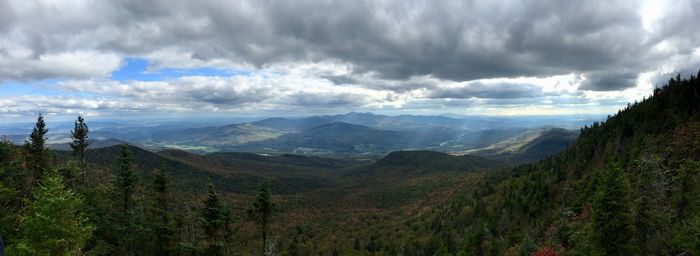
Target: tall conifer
[[124, 188], [215, 221], [261, 212], [38, 157], [79, 135]]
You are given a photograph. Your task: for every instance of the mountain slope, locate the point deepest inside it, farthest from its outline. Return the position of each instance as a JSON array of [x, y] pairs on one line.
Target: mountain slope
[[529, 146], [433, 161], [555, 202]]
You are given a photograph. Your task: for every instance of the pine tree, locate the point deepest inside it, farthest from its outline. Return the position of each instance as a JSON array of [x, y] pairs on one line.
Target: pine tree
[[162, 217], [215, 221], [38, 156], [612, 220], [79, 144], [126, 179], [124, 188], [262, 210], [54, 223]]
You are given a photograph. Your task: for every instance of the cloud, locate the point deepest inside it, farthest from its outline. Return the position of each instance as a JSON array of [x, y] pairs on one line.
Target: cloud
[[609, 81], [328, 99], [350, 54], [452, 40], [31, 105], [80, 64], [231, 93], [183, 91], [488, 91]]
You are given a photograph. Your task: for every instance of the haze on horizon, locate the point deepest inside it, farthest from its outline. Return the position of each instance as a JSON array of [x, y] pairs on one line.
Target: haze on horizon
[[117, 59]]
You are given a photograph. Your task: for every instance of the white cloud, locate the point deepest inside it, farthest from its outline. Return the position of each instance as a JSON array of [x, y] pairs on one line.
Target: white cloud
[[22, 65], [362, 55]]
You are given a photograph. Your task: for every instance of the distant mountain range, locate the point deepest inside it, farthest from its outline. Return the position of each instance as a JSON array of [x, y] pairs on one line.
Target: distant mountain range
[[515, 138]]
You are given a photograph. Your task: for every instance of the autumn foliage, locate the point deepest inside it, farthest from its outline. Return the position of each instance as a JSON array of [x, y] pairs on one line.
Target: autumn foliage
[[544, 251]]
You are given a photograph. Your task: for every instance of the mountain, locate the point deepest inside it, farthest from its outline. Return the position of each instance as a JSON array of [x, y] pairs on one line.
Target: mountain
[[381, 122], [413, 122], [216, 137], [549, 143], [331, 138], [292, 125], [324, 135], [530, 145], [480, 139]]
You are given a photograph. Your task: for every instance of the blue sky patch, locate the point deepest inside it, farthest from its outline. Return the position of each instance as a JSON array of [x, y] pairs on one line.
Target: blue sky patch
[[22, 89], [136, 70]]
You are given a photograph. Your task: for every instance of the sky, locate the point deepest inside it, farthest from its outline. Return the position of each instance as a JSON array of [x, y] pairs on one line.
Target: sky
[[141, 58]]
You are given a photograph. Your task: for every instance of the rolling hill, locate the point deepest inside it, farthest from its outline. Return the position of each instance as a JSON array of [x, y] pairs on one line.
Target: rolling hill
[[529, 146]]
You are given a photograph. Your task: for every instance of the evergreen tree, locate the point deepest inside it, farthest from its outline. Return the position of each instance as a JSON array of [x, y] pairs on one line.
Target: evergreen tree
[[611, 213], [38, 157], [79, 135], [215, 221], [162, 216], [54, 223], [124, 188], [261, 210], [12, 178], [125, 181]]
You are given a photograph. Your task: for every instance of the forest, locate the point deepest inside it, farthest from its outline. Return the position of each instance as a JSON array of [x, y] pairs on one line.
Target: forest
[[627, 186]]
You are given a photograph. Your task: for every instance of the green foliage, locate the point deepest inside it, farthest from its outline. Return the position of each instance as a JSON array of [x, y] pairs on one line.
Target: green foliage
[[54, 223], [686, 220], [611, 214], [12, 180]]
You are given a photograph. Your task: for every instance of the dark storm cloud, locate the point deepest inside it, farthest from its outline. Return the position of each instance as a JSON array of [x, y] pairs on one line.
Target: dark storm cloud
[[6, 16], [382, 84], [319, 99], [489, 91], [391, 40], [608, 81]]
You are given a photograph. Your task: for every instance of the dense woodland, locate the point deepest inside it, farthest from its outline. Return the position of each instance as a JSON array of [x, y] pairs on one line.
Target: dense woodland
[[626, 186]]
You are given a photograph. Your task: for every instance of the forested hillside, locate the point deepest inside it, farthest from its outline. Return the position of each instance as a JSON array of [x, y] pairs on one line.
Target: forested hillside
[[626, 186]]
